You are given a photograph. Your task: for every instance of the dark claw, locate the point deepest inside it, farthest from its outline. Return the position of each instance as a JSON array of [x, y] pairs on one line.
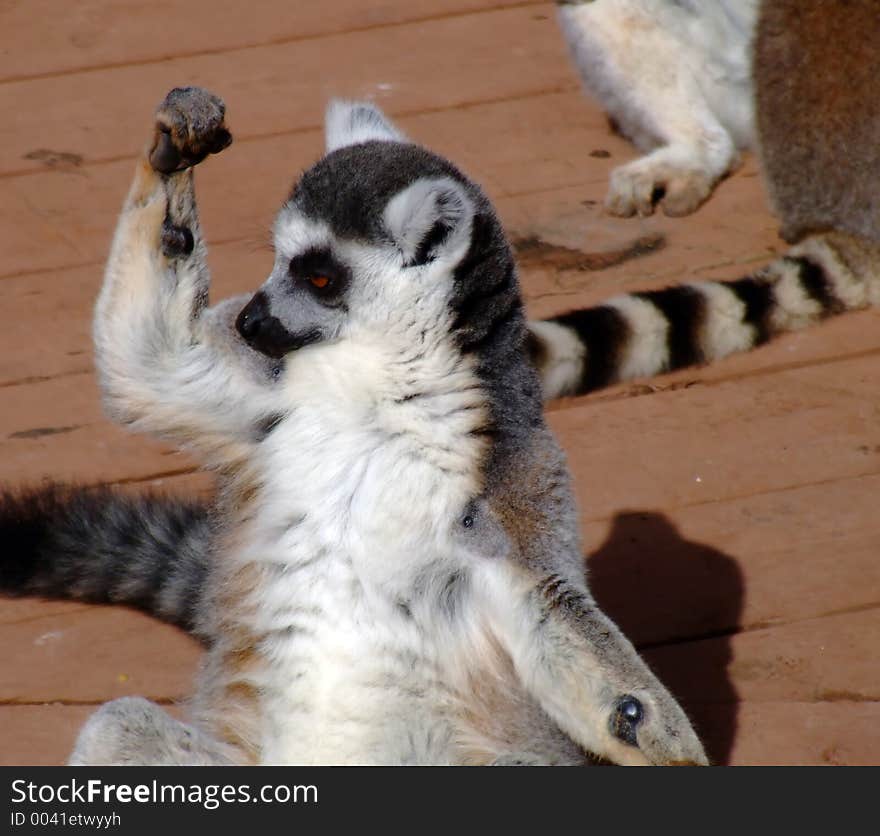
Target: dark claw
[[222, 139], [165, 157]]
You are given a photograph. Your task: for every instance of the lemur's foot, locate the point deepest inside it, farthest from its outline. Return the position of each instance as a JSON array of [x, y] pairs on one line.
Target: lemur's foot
[[638, 187], [132, 731], [189, 126]]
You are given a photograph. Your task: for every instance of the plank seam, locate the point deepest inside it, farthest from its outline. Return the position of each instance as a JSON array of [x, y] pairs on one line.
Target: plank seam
[[244, 139]]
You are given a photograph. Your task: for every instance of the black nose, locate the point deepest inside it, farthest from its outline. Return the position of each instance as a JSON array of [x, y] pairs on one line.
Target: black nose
[[253, 317], [628, 713]]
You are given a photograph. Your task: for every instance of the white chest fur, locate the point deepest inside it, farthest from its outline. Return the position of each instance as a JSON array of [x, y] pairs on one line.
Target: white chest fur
[[360, 487]]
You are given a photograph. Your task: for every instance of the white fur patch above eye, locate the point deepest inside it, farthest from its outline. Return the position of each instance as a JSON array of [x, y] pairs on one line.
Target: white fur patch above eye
[[349, 123], [429, 217]]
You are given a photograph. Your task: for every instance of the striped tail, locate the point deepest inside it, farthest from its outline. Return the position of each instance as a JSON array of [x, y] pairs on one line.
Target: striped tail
[[94, 545], [643, 334]]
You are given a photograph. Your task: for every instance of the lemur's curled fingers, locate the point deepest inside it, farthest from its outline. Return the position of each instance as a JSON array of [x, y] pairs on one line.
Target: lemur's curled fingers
[[189, 127]]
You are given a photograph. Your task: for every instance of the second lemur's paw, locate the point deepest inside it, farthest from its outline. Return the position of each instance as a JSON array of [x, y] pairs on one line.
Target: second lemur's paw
[[189, 126], [638, 187]]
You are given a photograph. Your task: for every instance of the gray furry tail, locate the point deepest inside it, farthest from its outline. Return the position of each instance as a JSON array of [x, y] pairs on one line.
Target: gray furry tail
[[643, 334], [100, 546]]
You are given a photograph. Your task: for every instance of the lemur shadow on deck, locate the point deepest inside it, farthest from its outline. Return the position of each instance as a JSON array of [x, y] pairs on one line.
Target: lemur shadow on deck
[[680, 603]]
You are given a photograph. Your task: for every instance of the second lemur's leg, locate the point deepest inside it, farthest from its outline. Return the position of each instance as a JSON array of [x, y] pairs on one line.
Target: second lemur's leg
[[167, 364], [132, 731], [638, 72]]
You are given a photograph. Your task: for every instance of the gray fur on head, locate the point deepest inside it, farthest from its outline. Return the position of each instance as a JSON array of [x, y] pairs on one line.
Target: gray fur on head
[[430, 214]]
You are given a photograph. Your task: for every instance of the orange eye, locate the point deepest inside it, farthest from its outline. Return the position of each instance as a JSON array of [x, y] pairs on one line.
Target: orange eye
[[319, 281]]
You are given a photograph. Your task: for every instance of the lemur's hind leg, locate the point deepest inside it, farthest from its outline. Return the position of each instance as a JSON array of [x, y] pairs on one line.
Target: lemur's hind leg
[[638, 72], [167, 364], [135, 732]]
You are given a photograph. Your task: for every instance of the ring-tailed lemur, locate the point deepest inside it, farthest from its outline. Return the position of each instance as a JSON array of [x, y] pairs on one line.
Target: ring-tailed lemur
[[817, 87], [675, 77], [155, 553], [395, 568]]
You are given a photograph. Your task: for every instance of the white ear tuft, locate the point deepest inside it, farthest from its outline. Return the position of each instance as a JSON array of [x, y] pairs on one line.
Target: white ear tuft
[[349, 123], [428, 218]]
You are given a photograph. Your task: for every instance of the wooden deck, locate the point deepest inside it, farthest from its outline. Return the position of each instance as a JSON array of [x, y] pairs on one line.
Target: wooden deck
[[730, 513]]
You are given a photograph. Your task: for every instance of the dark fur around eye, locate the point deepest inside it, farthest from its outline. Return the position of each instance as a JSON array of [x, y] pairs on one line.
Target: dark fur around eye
[[318, 262]]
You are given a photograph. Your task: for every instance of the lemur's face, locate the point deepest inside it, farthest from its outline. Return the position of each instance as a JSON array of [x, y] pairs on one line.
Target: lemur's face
[[368, 241]]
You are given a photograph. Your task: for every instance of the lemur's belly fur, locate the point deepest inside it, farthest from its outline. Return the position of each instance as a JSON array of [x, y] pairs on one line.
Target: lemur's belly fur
[[352, 664]]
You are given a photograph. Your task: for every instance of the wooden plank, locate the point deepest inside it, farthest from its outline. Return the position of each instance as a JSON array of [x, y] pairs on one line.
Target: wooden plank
[[58, 219], [39, 735], [23, 610], [56, 430], [824, 666], [828, 659], [95, 654], [732, 439], [807, 734], [667, 575], [64, 216], [102, 33], [273, 89], [60, 302], [75, 208]]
